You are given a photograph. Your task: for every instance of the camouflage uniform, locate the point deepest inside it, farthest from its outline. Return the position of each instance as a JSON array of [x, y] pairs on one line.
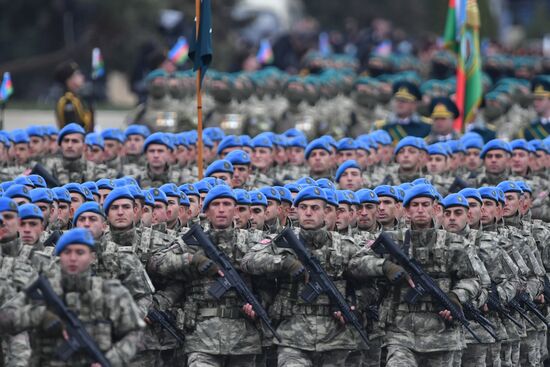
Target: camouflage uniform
[[309, 332], [415, 334], [217, 332], [229, 117], [147, 179], [104, 306], [78, 170]]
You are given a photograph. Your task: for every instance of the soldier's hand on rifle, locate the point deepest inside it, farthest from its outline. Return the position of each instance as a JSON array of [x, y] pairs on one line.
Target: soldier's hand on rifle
[[204, 265], [338, 315], [446, 314], [540, 298], [295, 268], [485, 308], [51, 324], [249, 311], [396, 274]]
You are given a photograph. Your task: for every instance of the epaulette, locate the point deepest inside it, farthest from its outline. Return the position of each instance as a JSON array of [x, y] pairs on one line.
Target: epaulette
[[426, 120], [380, 123]]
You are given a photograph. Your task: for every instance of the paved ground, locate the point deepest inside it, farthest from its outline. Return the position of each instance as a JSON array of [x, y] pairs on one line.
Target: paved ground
[[14, 119]]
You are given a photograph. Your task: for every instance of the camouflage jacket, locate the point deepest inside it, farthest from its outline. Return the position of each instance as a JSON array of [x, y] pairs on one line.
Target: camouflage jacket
[[148, 179], [78, 170]]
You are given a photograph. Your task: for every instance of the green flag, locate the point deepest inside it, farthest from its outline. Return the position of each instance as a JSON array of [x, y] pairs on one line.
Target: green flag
[[450, 38], [200, 49], [470, 56]]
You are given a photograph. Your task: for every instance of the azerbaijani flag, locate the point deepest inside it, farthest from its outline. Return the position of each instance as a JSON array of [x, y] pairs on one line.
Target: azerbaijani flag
[[265, 53], [98, 67], [6, 89], [179, 53]]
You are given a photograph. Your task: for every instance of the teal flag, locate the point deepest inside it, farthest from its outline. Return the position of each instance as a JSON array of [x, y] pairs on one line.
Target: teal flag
[[200, 49]]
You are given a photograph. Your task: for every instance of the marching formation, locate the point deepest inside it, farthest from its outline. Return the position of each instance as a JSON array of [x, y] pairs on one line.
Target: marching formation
[[404, 245]]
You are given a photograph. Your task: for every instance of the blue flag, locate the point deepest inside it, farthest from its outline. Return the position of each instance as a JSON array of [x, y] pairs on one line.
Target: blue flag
[[200, 48]]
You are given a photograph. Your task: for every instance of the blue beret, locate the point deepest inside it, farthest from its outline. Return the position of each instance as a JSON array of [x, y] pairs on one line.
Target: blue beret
[[332, 198], [310, 193], [262, 141], [306, 181], [159, 195], [346, 197], [325, 183], [35, 130], [297, 142], [421, 180], [438, 149], [207, 142], [192, 137], [221, 165], [363, 144], [212, 181], [158, 138], [369, 140], [257, 198], [279, 140], [387, 190], [170, 189], [270, 193], [405, 186], [4, 139], [455, 146], [455, 200], [408, 141], [30, 211], [421, 190], [94, 139], [382, 137], [489, 193], [8, 205], [75, 236], [119, 182], [238, 157], [92, 186], [23, 180], [293, 132], [284, 193], [156, 73], [189, 189], [471, 193], [230, 141], [41, 195], [400, 193], [184, 200], [214, 133], [539, 145], [202, 186], [117, 193], [293, 187], [344, 166], [521, 144], [90, 206], [317, 144], [367, 196], [329, 139], [242, 196], [501, 196], [137, 130], [62, 194], [38, 181], [17, 190], [136, 192], [79, 189], [509, 186], [130, 181], [493, 145], [472, 143], [148, 198], [19, 136], [6, 185], [247, 141], [218, 192], [105, 183], [524, 186], [51, 130], [346, 144], [72, 128]]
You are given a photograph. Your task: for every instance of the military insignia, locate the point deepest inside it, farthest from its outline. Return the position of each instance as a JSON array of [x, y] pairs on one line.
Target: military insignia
[[273, 192], [281, 192], [372, 195], [50, 195], [259, 196], [25, 190], [459, 199], [86, 191], [350, 195], [36, 210], [40, 180], [402, 192], [246, 196], [392, 190], [494, 193], [156, 192], [148, 196], [191, 187], [512, 185], [13, 206], [317, 191], [226, 165], [309, 181]]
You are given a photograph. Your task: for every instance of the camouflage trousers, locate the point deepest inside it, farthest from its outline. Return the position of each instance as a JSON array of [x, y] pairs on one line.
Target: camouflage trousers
[[493, 355], [509, 354], [200, 359], [474, 355], [165, 358], [16, 351], [399, 356], [529, 352], [291, 357], [366, 358], [543, 343]]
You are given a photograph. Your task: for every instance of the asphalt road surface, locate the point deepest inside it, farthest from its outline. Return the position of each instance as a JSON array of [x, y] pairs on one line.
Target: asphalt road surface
[[20, 119]]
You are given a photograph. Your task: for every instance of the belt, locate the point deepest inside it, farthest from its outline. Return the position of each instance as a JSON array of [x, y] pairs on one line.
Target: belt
[[222, 312]]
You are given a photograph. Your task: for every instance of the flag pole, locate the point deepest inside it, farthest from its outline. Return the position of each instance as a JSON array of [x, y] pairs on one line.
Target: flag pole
[[199, 96]]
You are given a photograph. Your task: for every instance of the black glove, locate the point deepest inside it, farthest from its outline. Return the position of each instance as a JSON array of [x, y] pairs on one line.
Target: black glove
[[395, 273], [294, 267], [204, 265]]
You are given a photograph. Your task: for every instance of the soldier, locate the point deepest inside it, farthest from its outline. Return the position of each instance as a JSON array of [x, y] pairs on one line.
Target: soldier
[[133, 145], [31, 225], [296, 166], [443, 112], [241, 168], [220, 169], [405, 121], [312, 334], [540, 128], [495, 156], [258, 207], [472, 161], [409, 157], [242, 216], [63, 209], [71, 107], [44, 200], [317, 155], [114, 149], [21, 155], [113, 308], [349, 176], [194, 202], [95, 148], [389, 208], [285, 206], [262, 161], [297, 114], [37, 144], [72, 166], [19, 194], [173, 208], [438, 168], [363, 114]]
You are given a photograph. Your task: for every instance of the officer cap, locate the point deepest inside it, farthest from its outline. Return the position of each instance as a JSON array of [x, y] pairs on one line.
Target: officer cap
[[113, 134], [494, 145], [310, 193], [170, 189], [471, 193], [344, 166], [75, 236], [158, 138], [421, 190], [325, 183], [88, 207], [62, 194], [317, 144], [221, 165], [238, 157], [17, 191], [19, 136], [242, 196], [105, 183], [42, 195], [218, 192], [116, 194], [489, 192], [137, 130], [443, 107], [406, 90], [72, 128], [509, 186], [541, 86], [387, 190], [367, 196], [284, 193], [38, 181], [455, 200]]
